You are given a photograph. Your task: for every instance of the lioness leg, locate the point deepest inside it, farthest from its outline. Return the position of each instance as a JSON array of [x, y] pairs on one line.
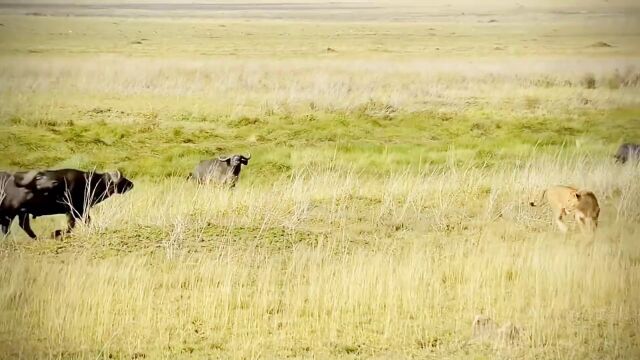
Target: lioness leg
[[558, 217], [591, 224], [586, 223], [581, 220]]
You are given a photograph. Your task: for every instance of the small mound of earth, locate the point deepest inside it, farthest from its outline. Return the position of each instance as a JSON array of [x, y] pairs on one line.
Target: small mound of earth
[[601, 44], [331, 50]]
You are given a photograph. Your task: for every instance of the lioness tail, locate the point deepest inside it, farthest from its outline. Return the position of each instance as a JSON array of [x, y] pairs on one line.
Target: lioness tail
[[533, 203]]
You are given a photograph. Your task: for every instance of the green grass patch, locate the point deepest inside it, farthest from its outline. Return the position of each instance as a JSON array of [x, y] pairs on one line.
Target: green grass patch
[[162, 146]]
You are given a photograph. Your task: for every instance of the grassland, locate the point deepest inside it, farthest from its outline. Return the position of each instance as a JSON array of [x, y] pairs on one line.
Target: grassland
[[386, 203]]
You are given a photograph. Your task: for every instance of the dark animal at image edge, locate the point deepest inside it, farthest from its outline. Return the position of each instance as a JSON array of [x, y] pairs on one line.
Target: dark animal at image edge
[[627, 152], [15, 199], [50, 192], [224, 170]]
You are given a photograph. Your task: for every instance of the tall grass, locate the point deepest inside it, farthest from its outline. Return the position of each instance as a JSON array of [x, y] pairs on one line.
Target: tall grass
[[265, 87], [329, 263]]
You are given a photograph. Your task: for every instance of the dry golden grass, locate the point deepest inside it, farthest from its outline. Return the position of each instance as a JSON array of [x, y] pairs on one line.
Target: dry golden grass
[[385, 207], [332, 265], [265, 87]]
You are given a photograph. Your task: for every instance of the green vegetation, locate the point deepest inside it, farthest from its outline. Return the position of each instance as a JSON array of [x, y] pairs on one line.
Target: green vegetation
[[155, 146]]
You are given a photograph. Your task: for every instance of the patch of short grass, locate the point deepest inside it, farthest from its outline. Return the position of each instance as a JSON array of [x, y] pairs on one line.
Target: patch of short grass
[[282, 144]]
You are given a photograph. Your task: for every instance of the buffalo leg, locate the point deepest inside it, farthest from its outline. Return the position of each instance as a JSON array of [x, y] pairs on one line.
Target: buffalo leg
[[25, 224], [5, 224], [71, 223], [81, 215], [72, 219]]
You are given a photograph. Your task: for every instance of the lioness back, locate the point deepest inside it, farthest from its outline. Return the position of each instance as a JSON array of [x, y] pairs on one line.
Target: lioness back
[[562, 197]]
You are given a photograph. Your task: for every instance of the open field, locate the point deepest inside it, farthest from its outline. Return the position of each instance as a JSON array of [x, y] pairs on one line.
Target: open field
[[395, 149], [335, 265], [466, 11]]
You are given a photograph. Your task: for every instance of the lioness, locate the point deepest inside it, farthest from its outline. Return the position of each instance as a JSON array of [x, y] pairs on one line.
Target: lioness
[[564, 200]]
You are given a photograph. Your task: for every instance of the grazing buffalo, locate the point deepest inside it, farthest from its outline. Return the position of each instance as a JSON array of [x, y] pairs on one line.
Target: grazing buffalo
[[67, 191], [627, 152], [224, 170]]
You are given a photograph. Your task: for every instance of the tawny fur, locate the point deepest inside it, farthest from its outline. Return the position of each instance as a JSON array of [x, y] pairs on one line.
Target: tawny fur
[[565, 200]]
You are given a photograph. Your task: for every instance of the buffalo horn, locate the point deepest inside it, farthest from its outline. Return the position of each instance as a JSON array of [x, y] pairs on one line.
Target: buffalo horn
[[24, 179], [115, 176]]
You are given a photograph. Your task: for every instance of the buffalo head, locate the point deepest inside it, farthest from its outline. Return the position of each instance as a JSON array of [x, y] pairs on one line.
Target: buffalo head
[[35, 180], [235, 160], [116, 183]]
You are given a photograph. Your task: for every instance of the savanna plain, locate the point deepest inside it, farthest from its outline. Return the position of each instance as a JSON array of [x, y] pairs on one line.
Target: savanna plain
[[394, 149]]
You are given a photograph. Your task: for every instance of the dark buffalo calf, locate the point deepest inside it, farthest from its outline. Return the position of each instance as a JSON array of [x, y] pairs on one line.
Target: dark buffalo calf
[[627, 152], [224, 170]]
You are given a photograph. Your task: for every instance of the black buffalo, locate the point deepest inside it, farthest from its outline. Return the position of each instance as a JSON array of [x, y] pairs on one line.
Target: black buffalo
[[16, 199], [627, 152], [66, 191], [224, 170]]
